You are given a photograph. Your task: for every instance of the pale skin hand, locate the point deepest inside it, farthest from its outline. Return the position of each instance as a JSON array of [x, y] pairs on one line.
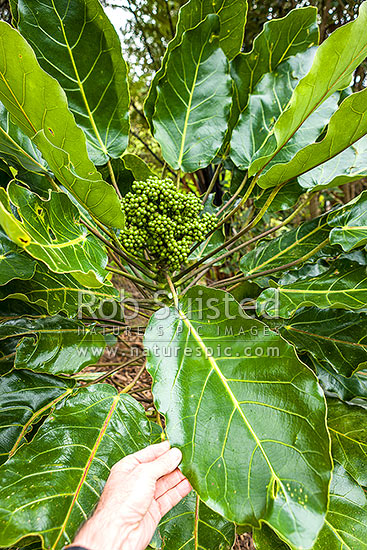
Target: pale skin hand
[[140, 490]]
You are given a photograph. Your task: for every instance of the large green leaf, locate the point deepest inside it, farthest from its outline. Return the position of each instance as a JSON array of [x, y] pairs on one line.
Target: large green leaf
[[334, 336], [138, 168], [53, 345], [248, 416], [192, 525], [38, 105], [352, 117], [349, 165], [342, 286], [350, 224], [16, 148], [78, 45], [348, 430], [51, 486], [14, 262], [346, 521], [336, 59], [232, 16], [54, 234], [279, 40], [346, 388], [24, 398], [16, 308], [194, 99], [266, 103], [290, 246], [286, 197], [58, 292]]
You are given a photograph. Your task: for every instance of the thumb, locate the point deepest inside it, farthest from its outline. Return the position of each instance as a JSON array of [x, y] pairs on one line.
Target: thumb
[[165, 463]]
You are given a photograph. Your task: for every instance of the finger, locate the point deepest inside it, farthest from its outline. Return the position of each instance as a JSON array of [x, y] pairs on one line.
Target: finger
[[172, 497], [146, 455], [167, 482], [152, 452], [165, 463]]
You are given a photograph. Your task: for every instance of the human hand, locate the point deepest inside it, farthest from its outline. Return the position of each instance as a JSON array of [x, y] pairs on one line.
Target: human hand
[[140, 490]]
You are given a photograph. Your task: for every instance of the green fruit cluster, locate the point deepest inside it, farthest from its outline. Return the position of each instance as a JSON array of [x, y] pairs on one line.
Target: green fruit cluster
[[163, 222]]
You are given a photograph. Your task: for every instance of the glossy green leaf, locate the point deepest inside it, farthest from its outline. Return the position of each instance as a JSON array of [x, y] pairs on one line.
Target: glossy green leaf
[[17, 308], [17, 148], [232, 16], [302, 242], [248, 416], [82, 439], [192, 525], [335, 61], [139, 169], [54, 233], [14, 262], [210, 244], [352, 117], [342, 286], [38, 105], [350, 224], [348, 429], [267, 102], [194, 99], [53, 345], [25, 397], [309, 240], [349, 165], [59, 293], [279, 40], [346, 388], [334, 336], [286, 198], [40, 184], [78, 45], [305, 272], [346, 521]]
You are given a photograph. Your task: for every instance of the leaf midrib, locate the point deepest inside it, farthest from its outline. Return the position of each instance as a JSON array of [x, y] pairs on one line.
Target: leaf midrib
[[35, 415], [236, 404], [87, 467], [188, 110], [80, 84], [290, 328]]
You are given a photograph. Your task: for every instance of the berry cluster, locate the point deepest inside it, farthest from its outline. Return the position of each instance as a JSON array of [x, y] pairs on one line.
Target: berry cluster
[[163, 222]]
